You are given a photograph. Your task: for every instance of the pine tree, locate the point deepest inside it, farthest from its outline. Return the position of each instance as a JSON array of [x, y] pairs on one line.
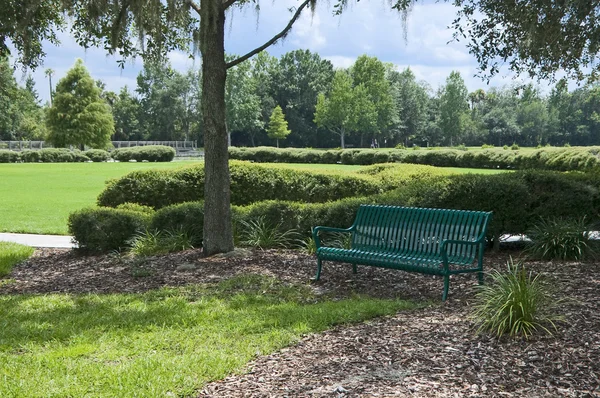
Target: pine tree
[[278, 126], [78, 115]]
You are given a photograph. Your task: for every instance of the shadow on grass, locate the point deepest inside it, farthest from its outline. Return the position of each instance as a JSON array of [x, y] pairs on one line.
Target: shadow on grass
[[244, 305]]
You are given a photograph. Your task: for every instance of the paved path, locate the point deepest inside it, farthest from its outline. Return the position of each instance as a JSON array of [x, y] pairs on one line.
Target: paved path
[[53, 241]]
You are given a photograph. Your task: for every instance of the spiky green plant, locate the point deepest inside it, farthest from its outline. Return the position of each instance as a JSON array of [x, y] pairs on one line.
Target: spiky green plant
[[514, 303], [259, 233], [152, 242], [562, 239]]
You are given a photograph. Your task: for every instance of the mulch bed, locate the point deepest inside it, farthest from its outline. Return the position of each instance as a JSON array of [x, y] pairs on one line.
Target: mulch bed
[[429, 352]]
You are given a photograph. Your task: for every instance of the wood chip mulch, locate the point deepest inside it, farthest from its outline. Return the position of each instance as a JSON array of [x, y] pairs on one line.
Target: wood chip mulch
[[428, 352]]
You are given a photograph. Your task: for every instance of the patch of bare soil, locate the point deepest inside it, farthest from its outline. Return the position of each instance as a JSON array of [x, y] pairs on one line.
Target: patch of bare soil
[[430, 352]]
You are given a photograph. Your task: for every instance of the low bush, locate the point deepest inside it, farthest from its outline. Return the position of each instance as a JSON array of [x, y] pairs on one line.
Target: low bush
[[150, 153], [105, 229], [548, 158], [61, 155], [514, 303], [29, 156], [561, 239], [249, 183], [185, 217], [11, 254], [8, 156], [258, 233], [136, 207], [97, 155]]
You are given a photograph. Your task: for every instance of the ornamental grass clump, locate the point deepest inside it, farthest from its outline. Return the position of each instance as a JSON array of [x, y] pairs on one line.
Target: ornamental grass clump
[[561, 239], [515, 303], [259, 233], [152, 242]]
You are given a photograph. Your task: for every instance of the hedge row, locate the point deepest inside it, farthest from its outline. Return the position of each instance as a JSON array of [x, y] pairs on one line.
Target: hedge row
[[154, 153], [150, 153], [249, 183], [560, 159], [517, 199], [105, 229]]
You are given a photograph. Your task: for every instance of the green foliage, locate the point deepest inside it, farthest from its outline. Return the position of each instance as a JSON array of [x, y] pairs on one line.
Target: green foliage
[[514, 303], [453, 105], [150, 153], [547, 158], [249, 183], [29, 156], [78, 116], [150, 243], [7, 156], [515, 146], [12, 254], [103, 230], [278, 127], [488, 146], [136, 207], [97, 155], [185, 217], [561, 239], [259, 233]]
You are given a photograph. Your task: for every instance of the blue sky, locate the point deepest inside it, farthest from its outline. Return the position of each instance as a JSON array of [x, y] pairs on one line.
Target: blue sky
[[367, 27]]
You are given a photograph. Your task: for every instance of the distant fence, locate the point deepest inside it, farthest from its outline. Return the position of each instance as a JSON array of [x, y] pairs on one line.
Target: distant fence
[[182, 148]]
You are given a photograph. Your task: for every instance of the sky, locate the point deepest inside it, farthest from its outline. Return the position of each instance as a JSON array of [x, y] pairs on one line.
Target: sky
[[366, 27]]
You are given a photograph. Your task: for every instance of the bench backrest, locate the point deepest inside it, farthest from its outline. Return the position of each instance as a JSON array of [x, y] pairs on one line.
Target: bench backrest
[[417, 230]]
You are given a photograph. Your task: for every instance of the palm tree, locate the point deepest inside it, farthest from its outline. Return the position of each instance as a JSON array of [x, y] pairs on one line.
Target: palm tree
[[49, 73]]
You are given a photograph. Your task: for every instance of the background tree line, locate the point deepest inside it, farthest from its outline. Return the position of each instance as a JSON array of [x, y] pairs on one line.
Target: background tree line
[[324, 107]]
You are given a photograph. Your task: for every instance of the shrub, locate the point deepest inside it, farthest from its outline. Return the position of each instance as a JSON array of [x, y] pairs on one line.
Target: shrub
[[461, 147], [61, 155], [515, 146], [105, 229], [249, 183], [136, 207], [563, 239], [7, 156], [29, 156], [97, 155], [11, 254], [150, 153], [487, 146], [514, 303], [187, 218], [505, 147]]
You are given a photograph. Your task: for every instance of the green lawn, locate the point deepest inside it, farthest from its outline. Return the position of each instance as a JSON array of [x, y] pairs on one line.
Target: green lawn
[[12, 254], [161, 343], [38, 197]]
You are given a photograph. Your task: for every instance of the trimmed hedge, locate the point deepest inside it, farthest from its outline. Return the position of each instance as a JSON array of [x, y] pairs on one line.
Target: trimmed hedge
[[249, 183], [97, 155], [187, 217], [8, 156], [150, 153], [560, 159], [46, 155], [105, 229]]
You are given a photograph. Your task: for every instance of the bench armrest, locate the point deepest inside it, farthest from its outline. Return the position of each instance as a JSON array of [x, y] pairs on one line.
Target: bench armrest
[[316, 231]]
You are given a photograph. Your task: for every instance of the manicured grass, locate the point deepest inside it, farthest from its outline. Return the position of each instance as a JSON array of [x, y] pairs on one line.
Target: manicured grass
[[38, 197], [161, 343], [12, 254]]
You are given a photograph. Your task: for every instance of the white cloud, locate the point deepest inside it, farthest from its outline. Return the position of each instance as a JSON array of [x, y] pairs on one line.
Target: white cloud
[[340, 61]]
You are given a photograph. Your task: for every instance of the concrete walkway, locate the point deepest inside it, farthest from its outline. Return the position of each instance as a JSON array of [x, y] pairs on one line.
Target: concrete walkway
[[52, 241]]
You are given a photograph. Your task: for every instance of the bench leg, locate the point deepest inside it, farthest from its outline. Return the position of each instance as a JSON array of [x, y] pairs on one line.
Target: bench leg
[[480, 276], [318, 269], [446, 287], [354, 268]]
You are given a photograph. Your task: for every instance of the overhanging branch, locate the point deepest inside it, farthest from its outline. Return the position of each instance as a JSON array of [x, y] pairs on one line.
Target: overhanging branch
[[228, 3], [195, 7], [273, 40]]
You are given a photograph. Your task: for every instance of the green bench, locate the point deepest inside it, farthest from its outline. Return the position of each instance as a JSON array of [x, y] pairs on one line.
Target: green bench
[[429, 241]]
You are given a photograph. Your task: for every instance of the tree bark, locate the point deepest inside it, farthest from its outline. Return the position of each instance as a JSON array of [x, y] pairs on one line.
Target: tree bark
[[218, 236], [343, 139]]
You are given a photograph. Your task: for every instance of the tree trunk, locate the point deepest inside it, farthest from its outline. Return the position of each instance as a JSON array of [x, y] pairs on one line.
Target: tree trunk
[[277, 142], [218, 234], [343, 138]]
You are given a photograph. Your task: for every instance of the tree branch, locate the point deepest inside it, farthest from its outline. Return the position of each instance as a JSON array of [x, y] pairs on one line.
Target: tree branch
[[195, 6], [273, 40], [228, 3]]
